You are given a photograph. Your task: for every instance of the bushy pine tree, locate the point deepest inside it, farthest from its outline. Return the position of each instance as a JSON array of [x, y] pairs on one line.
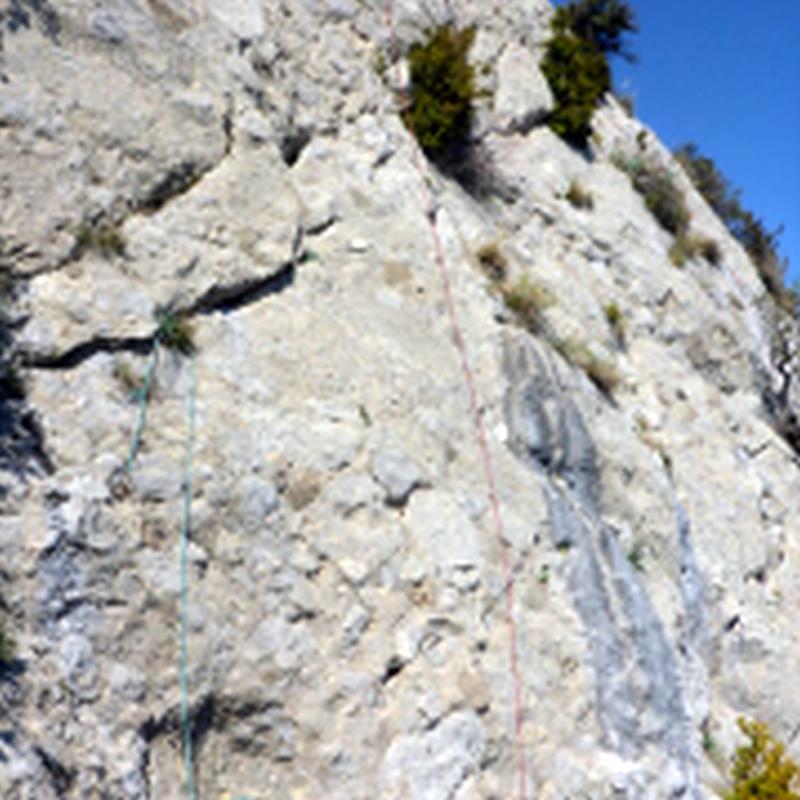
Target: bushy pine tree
[[602, 23], [585, 32]]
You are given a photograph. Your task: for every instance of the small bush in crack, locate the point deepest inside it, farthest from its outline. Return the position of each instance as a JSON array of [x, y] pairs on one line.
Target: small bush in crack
[[636, 556], [603, 374], [104, 237], [616, 321], [492, 262], [661, 196], [12, 385], [579, 198], [663, 199], [708, 742], [130, 383], [443, 92], [710, 251], [175, 332], [760, 769], [686, 247], [528, 301]]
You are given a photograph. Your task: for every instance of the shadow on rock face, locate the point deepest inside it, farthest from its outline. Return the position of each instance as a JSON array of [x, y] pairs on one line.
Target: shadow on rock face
[[635, 665]]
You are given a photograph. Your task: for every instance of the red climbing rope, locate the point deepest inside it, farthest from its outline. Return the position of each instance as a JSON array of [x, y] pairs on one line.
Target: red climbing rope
[[483, 444]]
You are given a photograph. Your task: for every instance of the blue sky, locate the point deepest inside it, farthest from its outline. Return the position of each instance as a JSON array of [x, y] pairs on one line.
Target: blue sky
[[725, 74]]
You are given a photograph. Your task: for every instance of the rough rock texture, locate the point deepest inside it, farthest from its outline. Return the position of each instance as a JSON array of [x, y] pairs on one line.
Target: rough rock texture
[[345, 620]]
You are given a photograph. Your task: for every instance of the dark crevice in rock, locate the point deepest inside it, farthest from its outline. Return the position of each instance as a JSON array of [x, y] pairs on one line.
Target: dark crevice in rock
[[10, 673], [695, 636], [232, 298], [778, 403], [80, 352], [18, 15], [169, 723], [202, 720], [61, 777], [178, 180], [22, 446], [218, 298], [227, 129], [155, 727], [394, 666], [220, 714], [292, 144], [22, 449], [732, 623], [322, 226]]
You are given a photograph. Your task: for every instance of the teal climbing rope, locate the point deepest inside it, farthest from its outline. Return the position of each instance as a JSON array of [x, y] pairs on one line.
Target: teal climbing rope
[[144, 396], [184, 557]]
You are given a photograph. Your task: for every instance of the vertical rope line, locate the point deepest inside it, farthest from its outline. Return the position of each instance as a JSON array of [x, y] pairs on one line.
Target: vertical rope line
[[184, 592], [477, 416], [144, 396]]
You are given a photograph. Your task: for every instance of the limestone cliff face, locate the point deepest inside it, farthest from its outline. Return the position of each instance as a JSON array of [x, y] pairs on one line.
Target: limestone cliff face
[[348, 626]]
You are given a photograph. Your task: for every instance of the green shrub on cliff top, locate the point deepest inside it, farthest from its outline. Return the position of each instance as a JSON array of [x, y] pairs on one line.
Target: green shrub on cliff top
[[579, 76], [751, 232], [575, 64], [602, 23]]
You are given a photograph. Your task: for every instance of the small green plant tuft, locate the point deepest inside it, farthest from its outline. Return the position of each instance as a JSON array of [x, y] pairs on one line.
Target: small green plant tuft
[[307, 256], [528, 301], [380, 64], [708, 743], [492, 262], [760, 769], [175, 332], [366, 419], [105, 237], [129, 382], [687, 247], [616, 321], [636, 556], [682, 250], [579, 198], [603, 374], [544, 574]]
